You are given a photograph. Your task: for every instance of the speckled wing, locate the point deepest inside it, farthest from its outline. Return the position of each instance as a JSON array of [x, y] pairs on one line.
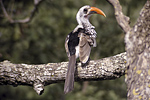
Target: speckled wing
[[84, 47]]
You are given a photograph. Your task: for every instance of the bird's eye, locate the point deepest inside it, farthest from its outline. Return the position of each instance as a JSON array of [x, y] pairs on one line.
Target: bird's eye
[[85, 10]]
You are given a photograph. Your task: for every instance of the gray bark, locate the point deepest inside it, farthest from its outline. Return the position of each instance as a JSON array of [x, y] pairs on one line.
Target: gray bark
[[138, 54], [137, 41], [39, 76]]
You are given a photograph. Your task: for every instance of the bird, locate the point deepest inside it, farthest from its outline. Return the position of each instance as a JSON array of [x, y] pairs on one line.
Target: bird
[[78, 43]]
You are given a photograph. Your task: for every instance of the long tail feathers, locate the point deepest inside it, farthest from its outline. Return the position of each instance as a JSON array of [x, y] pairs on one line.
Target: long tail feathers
[[69, 82]]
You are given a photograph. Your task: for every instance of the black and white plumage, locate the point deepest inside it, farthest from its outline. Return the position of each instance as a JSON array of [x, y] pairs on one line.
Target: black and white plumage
[[79, 42]]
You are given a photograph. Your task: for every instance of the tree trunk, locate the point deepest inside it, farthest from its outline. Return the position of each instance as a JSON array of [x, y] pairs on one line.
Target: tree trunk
[[137, 41], [138, 54]]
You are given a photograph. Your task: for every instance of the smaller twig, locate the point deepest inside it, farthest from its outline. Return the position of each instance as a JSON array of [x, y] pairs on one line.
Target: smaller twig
[[5, 12]]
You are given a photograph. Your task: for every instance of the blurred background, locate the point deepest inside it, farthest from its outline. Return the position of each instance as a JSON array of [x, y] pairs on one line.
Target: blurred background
[[42, 41]]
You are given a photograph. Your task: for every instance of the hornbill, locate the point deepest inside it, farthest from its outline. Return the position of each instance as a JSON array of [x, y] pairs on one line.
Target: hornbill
[[79, 42]]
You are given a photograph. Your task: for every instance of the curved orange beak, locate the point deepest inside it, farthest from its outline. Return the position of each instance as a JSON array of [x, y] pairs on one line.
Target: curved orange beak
[[97, 11]]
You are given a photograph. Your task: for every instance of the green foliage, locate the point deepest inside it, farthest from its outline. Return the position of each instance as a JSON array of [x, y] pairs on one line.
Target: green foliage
[[42, 41]]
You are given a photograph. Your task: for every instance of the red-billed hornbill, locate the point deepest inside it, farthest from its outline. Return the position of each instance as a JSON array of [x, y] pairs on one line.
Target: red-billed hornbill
[[78, 43]]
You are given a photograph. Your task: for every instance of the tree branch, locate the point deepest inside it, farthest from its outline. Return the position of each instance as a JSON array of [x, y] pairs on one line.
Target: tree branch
[[39, 76], [5, 12], [26, 20], [122, 20]]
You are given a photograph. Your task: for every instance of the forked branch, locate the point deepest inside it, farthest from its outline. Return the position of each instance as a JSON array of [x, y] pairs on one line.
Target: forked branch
[[26, 20]]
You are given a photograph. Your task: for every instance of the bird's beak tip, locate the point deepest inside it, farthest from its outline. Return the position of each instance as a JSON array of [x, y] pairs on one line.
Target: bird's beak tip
[[98, 11], [104, 15]]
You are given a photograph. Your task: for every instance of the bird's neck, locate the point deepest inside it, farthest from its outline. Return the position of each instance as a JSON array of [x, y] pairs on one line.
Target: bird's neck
[[85, 23], [89, 28]]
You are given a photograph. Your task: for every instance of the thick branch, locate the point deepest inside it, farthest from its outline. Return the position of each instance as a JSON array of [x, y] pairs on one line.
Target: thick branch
[[39, 76], [122, 20], [26, 20]]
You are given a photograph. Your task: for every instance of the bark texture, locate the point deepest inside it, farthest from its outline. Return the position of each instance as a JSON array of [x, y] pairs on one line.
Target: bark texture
[[137, 41], [39, 76], [138, 54]]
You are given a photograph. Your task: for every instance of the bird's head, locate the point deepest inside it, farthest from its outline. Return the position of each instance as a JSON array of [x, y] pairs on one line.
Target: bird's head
[[85, 12]]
